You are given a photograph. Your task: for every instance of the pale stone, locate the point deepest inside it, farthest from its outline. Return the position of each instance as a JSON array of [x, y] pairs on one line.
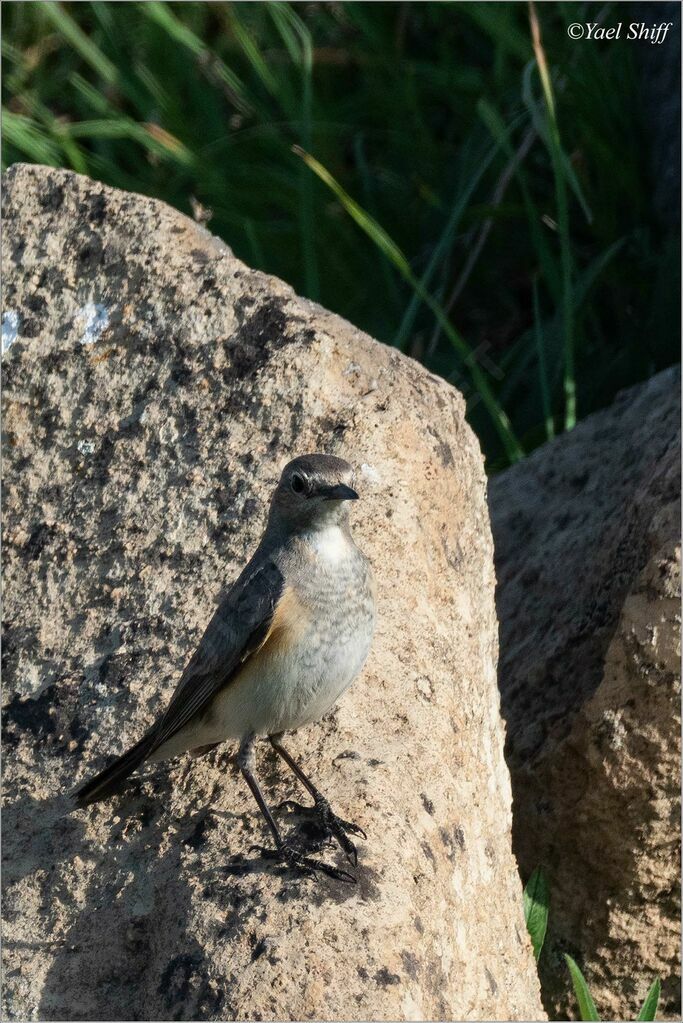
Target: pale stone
[[204, 377]]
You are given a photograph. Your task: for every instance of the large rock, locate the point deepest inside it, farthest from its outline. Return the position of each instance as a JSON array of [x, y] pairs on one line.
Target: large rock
[[153, 387], [587, 534]]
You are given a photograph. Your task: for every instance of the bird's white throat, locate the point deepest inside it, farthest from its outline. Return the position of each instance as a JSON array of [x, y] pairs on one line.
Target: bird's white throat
[[329, 543]]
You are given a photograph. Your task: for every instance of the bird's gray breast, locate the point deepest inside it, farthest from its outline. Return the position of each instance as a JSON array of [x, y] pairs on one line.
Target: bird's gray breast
[[333, 580]]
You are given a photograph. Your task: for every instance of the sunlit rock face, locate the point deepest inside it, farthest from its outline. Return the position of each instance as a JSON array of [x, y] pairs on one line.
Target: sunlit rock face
[[153, 388]]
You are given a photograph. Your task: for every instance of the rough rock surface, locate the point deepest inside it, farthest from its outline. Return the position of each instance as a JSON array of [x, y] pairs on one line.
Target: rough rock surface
[[153, 387], [587, 535]]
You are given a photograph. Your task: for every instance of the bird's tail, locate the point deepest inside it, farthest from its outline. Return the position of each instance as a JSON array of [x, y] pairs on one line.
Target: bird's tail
[[111, 780]]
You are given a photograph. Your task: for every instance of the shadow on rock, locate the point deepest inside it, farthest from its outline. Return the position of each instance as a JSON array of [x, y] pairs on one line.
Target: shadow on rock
[[132, 949], [129, 951]]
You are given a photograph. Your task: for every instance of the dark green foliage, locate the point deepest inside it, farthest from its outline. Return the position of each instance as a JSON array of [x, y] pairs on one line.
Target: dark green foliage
[[536, 909], [549, 266], [536, 912], [649, 1009], [587, 1010]]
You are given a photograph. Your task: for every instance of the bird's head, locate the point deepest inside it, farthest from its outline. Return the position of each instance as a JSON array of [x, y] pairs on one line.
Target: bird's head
[[313, 492]]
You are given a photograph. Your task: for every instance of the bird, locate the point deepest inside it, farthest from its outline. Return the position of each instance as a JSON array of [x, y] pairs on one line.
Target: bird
[[287, 639]]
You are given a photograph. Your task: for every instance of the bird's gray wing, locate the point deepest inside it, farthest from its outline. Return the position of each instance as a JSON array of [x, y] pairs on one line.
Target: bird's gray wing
[[239, 627]]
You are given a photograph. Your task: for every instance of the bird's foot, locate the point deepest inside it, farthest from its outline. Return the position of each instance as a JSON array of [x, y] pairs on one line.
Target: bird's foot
[[331, 827], [305, 865]]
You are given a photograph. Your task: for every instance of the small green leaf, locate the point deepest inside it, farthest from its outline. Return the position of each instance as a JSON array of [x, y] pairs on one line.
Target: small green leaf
[[583, 996], [649, 1009], [536, 904]]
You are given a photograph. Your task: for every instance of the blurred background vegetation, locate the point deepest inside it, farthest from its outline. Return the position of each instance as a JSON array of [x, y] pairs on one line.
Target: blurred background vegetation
[[461, 180]]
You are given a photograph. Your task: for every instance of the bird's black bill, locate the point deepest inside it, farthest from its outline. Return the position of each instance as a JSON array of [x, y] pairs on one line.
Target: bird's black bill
[[340, 492]]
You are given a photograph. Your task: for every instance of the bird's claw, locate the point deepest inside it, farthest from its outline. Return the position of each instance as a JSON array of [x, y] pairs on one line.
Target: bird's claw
[[338, 828], [331, 826], [305, 865]]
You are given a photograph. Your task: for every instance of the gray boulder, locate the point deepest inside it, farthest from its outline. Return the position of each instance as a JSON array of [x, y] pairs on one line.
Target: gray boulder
[[153, 387], [587, 536]]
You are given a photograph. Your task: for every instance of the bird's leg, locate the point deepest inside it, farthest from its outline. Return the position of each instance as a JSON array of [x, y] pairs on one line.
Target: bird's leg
[[331, 825], [283, 851]]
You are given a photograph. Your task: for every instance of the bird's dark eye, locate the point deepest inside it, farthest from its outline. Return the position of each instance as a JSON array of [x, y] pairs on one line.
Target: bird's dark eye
[[297, 484]]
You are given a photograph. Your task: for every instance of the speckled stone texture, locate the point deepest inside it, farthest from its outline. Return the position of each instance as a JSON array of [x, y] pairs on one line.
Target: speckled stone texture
[[153, 388], [587, 534]]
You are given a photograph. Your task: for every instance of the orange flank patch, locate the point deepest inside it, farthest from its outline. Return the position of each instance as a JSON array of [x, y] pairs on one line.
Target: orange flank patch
[[290, 621]]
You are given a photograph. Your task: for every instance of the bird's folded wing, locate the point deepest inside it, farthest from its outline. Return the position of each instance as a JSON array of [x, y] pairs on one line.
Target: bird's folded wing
[[238, 629]]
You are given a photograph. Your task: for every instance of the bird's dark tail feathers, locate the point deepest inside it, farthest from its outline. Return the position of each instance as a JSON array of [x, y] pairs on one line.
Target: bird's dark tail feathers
[[111, 780]]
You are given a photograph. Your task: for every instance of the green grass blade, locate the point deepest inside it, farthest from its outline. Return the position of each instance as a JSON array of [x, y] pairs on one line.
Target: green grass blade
[[541, 125], [589, 276], [556, 156], [368, 224], [258, 259], [10, 52], [154, 139], [364, 170], [536, 906], [75, 156], [255, 57], [587, 1008], [442, 247], [307, 219], [299, 44], [283, 18], [92, 96], [575, 186], [158, 12], [58, 130], [500, 133], [115, 76], [29, 138], [75, 35], [498, 22], [543, 376], [649, 1009], [380, 237], [106, 128]]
